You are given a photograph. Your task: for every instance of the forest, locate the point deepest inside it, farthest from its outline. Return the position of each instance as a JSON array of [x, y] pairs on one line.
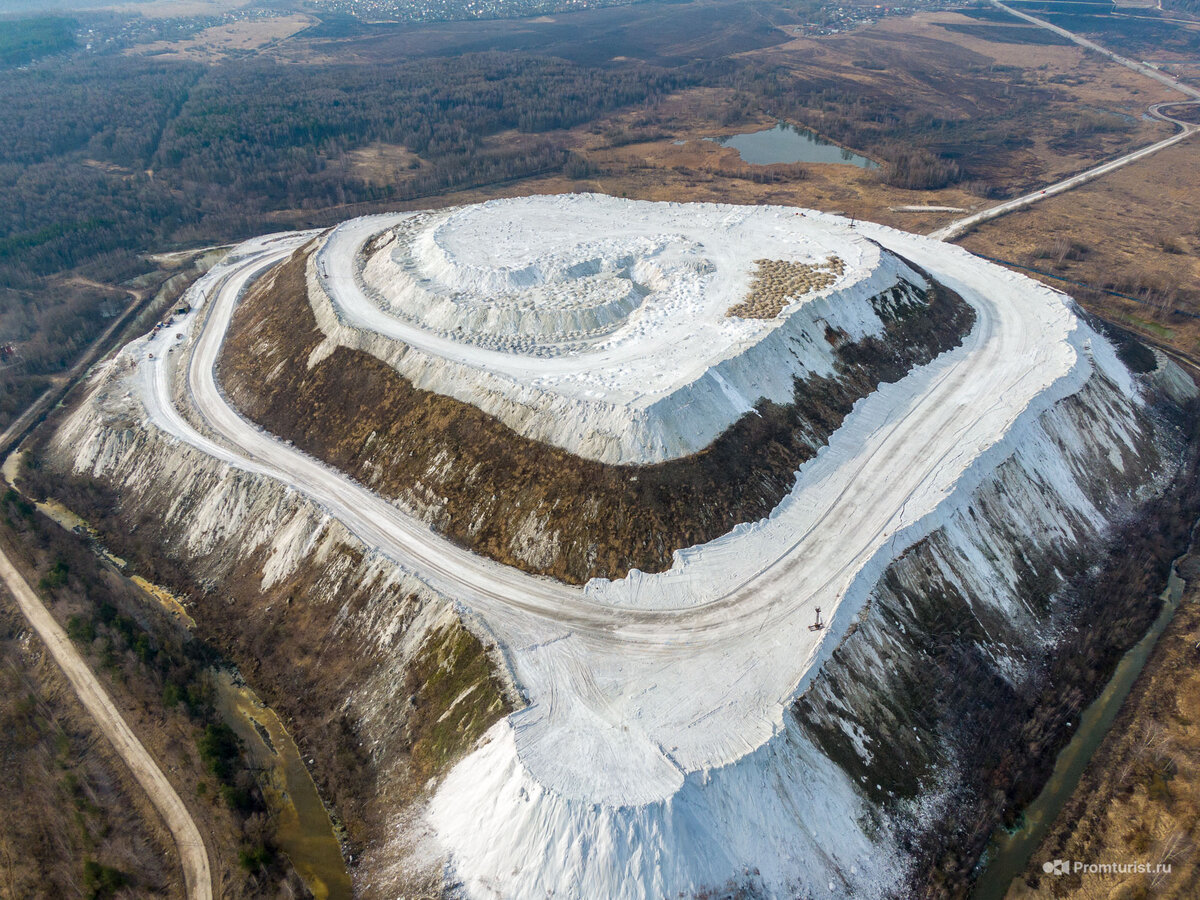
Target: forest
[[107, 157], [23, 40]]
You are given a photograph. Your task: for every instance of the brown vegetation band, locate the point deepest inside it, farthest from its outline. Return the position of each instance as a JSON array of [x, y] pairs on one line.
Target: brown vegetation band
[[529, 504]]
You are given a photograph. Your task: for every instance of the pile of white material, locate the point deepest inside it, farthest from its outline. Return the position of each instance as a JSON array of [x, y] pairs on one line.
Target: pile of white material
[[656, 754], [596, 324]]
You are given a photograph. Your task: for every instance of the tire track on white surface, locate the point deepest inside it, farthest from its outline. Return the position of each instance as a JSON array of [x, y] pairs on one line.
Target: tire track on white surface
[[616, 682]]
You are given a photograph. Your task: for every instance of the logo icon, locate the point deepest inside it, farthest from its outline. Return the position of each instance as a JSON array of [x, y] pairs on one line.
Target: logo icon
[[1056, 867]]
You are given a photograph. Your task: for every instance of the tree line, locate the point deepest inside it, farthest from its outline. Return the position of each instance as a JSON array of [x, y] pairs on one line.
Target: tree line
[[104, 157]]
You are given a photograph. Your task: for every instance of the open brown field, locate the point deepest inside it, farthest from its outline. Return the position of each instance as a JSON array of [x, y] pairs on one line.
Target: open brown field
[[223, 40], [1014, 115], [1136, 231]]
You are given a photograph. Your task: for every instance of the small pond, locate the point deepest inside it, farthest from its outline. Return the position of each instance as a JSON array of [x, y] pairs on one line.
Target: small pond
[[788, 144]]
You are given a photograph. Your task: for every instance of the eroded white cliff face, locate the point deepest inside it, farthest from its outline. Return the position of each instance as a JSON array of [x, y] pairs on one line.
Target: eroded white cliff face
[[225, 526], [687, 731], [796, 816], [596, 324]]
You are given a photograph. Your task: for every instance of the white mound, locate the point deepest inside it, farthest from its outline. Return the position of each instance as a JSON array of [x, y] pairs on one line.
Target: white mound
[[596, 324], [656, 756]]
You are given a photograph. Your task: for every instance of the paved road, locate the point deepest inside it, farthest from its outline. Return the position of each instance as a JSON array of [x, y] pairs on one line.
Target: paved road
[[959, 227], [1141, 68], [192, 852]]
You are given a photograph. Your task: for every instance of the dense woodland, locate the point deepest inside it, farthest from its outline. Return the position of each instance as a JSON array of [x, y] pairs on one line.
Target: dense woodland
[[27, 39], [106, 156]]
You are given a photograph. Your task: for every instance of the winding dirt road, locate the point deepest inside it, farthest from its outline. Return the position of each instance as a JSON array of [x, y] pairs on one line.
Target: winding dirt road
[[192, 852], [627, 691]]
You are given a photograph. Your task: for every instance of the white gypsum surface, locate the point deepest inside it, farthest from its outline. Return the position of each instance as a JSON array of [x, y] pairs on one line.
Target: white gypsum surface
[[518, 262], [632, 684]]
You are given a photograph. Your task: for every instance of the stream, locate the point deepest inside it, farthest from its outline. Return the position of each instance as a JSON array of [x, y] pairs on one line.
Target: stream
[[303, 827], [1008, 852], [305, 831]]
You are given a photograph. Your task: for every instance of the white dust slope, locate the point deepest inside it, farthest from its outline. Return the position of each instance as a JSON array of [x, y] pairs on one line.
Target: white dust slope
[[656, 755], [595, 324]]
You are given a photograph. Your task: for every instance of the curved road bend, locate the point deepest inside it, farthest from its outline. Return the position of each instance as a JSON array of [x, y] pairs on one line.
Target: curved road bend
[[959, 227], [489, 586], [749, 647], [193, 855]]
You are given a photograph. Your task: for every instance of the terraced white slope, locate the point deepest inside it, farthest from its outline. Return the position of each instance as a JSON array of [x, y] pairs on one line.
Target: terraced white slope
[[655, 755], [595, 324]]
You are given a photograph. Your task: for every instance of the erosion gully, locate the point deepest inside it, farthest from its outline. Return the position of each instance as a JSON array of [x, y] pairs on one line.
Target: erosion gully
[[305, 831]]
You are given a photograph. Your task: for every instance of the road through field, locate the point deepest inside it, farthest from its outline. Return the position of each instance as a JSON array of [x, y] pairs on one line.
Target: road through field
[[636, 682], [1141, 68], [192, 853], [959, 227]]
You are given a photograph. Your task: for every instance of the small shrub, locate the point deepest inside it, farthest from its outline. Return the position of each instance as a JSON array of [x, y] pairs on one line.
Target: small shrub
[[81, 630], [254, 858], [100, 881], [56, 577], [1172, 244], [218, 746]]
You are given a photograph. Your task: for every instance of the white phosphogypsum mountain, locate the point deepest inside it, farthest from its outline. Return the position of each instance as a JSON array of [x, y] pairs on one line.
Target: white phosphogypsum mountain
[[597, 325], [671, 739]]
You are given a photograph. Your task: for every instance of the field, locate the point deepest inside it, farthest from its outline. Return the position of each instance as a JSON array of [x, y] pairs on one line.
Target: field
[[1136, 231], [111, 156], [225, 40]]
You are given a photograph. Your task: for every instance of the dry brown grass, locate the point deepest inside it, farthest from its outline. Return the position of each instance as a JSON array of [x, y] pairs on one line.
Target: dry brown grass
[[380, 163], [777, 282], [1136, 231], [223, 40]]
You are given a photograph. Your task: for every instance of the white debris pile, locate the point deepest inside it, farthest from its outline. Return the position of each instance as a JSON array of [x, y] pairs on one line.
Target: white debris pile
[[595, 324], [656, 755]]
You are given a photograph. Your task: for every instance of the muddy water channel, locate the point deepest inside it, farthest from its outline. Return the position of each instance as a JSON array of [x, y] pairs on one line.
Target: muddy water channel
[[303, 827], [1008, 852]]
